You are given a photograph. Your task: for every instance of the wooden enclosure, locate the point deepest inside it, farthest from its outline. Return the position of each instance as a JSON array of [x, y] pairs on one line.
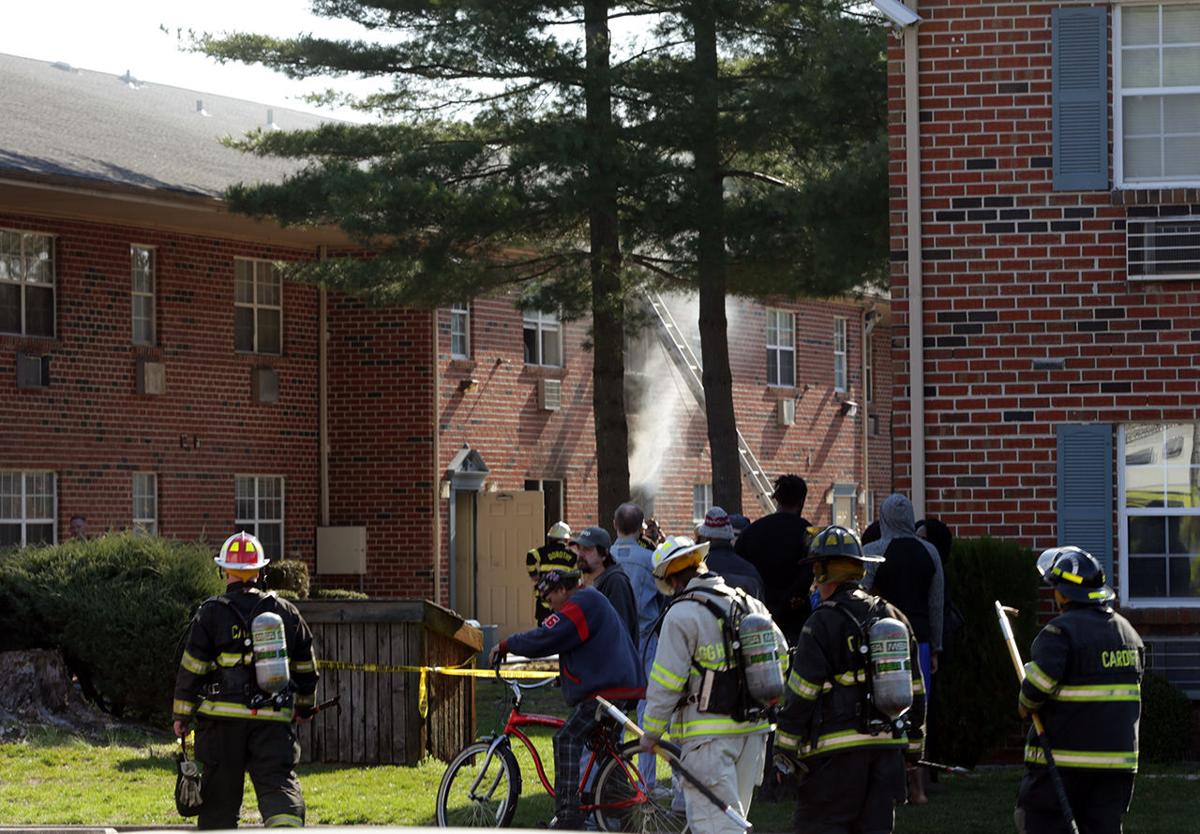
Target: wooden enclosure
[[380, 721]]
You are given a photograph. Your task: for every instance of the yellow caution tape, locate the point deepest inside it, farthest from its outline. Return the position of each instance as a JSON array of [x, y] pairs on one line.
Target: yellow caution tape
[[423, 684]]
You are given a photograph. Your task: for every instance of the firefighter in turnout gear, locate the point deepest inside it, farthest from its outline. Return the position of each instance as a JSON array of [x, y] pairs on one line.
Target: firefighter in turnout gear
[[1083, 679], [553, 555], [726, 753], [850, 715], [233, 650]]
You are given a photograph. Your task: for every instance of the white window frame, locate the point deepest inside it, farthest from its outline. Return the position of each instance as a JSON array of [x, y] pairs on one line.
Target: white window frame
[[542, 322], [135, 293], [1124, 513], [271, 268], [702, 499], [24, 284], [1118, 138], [460, 328], [255, 523], [145, 523], [840, 351], [779, 353], [24, 520]]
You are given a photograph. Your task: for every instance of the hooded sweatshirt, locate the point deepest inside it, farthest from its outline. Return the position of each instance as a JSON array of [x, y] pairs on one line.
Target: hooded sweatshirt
[[898, 525]]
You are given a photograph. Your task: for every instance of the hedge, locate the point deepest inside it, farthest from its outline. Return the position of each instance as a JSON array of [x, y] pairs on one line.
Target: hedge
[[1166, 728], [287, 575], [338, 593], [117, 606], [975, 692]]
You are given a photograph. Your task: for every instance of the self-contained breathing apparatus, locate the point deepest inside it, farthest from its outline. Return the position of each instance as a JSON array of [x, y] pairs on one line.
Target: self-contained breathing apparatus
[[750, 689], [883, 668], [265, 643]]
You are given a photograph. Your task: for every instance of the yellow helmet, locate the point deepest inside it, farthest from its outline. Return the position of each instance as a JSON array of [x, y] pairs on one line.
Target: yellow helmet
[[675, 554]]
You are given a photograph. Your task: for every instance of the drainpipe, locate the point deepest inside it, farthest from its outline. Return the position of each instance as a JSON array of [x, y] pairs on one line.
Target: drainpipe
[[868, 325], [916, 324], [323, 394]]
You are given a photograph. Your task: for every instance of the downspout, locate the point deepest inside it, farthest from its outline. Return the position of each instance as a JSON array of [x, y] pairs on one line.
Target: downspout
[[435, 491], [868, 324], [323, 393], [916, 324]]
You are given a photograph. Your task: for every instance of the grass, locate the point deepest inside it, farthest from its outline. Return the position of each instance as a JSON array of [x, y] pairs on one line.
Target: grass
[[127, 779]]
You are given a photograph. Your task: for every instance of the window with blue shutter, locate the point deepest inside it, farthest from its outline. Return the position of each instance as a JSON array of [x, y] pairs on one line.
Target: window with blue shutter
[[1080, 98], [1085, 489]]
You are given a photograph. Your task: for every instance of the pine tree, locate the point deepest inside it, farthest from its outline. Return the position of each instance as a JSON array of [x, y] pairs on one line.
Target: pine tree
[[736, 146]]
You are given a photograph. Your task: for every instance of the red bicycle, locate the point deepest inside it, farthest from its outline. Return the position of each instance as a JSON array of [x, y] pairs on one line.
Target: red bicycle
[[482, 783]]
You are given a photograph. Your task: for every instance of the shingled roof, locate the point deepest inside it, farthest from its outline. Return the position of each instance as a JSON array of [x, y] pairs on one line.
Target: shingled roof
[[65, 122]]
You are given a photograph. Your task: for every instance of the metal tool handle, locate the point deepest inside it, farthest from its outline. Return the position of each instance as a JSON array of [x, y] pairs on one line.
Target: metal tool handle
[[1055, 777], [672, 754]]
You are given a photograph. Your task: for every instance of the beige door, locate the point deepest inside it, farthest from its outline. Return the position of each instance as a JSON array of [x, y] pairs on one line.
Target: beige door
[[509, 524]]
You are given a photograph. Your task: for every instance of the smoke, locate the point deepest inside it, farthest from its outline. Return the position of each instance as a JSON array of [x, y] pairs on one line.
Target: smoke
[[658, 399]]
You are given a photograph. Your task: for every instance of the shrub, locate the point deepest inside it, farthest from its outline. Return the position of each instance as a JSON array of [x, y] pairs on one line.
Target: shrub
[[287, 575], [975, 694], [116, 606], [338, 593], [1166, 728]]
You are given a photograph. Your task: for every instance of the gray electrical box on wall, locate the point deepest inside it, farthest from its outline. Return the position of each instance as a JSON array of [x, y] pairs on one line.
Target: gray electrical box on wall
[[342, 550]]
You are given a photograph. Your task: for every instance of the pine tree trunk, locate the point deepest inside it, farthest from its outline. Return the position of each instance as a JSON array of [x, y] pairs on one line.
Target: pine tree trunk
[[608, 331], [711, 272]]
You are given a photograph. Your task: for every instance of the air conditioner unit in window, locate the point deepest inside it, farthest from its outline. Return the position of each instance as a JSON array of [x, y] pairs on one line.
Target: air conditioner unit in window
[[785, 412], [33, 371], [550, 394], [1167, 247], [264, 385], [151, 377]]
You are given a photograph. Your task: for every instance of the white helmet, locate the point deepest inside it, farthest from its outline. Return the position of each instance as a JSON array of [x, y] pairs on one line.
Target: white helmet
[[675, 554], [559, 530], [242, 551]]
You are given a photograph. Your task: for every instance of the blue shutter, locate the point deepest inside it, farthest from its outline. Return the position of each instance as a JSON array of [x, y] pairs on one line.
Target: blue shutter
[[1085, 489], [1080, 97]]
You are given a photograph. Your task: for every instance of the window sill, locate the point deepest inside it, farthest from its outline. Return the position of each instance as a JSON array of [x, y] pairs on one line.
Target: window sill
[[1155, 195]]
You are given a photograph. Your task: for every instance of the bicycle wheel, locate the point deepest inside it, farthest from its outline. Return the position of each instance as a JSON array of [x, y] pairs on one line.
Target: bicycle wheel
[[478, 790], [624, 802]]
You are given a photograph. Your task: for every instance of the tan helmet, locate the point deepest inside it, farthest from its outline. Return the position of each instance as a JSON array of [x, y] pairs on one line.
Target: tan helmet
[[675, 554], [559, 530]]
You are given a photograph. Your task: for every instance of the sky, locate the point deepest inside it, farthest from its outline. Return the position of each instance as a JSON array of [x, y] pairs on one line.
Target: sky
[[117, 35]]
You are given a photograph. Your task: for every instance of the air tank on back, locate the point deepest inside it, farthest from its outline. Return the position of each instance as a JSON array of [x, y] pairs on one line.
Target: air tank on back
[[891, 667], [760, 658], [270, 653]]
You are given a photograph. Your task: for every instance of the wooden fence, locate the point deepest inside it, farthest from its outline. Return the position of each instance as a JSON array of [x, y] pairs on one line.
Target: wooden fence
[[380, 721]]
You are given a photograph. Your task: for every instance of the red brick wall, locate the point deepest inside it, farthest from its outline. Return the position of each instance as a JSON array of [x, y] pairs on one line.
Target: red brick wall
[[1015, 272], [93, 430]]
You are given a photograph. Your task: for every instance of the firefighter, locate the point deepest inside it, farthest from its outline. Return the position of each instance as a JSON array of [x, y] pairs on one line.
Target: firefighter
[[241, 727], [1083, 679], [843, 729], [553, 555], [727, 753]]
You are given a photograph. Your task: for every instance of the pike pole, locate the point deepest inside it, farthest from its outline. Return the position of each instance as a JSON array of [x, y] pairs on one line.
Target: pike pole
[[1002, 611], [671, 753]]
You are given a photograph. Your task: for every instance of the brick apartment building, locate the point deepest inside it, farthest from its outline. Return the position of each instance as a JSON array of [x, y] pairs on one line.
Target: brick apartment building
[[1045, 175], [162, 376]]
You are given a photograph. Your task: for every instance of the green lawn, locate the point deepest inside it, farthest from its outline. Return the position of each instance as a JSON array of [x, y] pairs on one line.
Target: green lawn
[[53, 778]]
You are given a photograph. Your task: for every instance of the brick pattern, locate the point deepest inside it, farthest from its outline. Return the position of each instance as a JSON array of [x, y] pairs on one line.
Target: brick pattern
[[93, 430], [1029, 318]]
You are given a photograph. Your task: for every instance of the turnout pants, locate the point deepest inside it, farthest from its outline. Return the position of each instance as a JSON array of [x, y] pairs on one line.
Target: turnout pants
[[854, 792], [729, 766], [1099, 800], [228, 749]]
